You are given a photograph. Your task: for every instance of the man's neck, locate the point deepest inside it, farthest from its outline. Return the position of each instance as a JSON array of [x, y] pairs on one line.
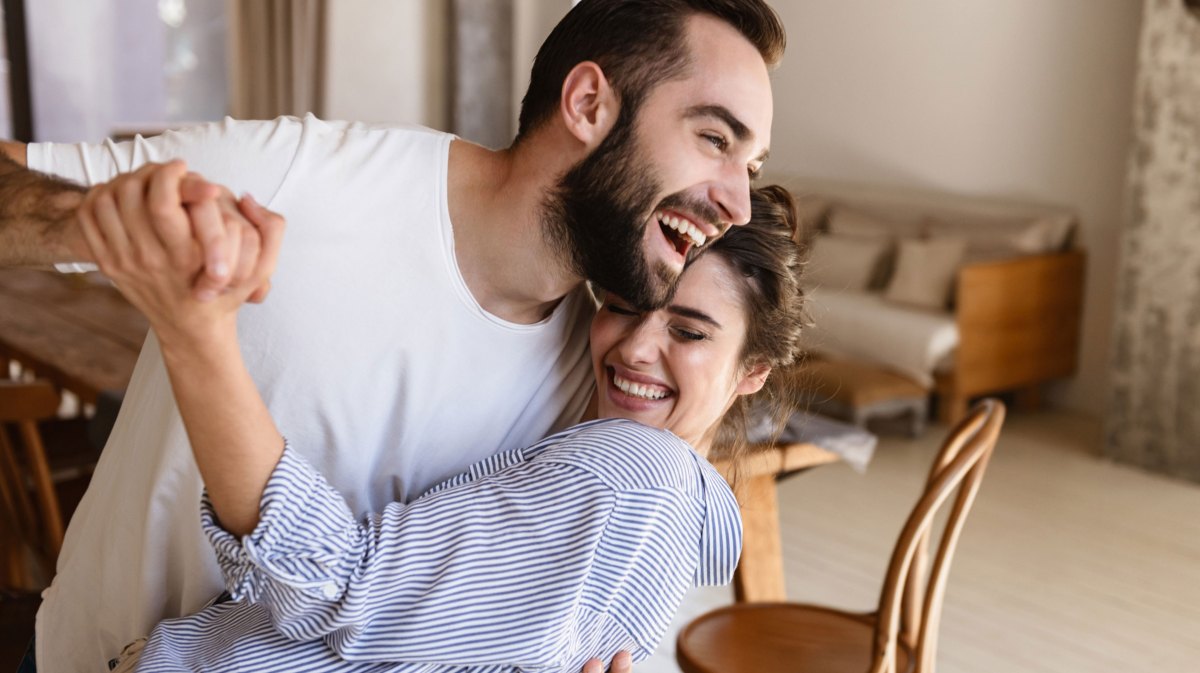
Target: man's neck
[[495, 202]]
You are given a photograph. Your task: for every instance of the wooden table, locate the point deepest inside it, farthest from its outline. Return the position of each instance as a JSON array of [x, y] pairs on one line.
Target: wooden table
[[759, 576], [74, 329]]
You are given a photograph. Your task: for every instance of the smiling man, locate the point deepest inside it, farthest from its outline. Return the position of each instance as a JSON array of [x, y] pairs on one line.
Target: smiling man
[[428, 310]]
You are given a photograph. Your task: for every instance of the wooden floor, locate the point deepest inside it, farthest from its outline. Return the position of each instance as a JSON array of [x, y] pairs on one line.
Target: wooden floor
[[1069, 563]]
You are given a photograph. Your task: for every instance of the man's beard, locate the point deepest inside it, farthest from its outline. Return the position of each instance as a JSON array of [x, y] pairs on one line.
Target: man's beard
[[597, 217]]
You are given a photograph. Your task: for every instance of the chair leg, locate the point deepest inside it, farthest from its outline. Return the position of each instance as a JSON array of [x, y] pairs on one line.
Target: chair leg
[[43, 485], [952, 406], [13, 495]]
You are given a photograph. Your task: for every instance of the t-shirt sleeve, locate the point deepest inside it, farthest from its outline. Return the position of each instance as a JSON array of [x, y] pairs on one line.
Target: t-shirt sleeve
[[491, 571], [245, 156]]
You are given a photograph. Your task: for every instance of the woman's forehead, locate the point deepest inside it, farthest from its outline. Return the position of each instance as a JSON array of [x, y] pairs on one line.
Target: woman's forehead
[[710, 285]]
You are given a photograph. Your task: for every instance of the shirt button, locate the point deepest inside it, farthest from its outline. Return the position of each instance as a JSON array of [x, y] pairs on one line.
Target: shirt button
[[330, 590]]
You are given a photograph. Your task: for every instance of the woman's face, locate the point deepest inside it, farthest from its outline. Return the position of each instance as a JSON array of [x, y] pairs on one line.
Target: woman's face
[[678, 367]]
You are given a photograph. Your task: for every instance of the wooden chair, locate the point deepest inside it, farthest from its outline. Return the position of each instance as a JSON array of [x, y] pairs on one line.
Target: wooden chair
[[901, 635], [29, 523]]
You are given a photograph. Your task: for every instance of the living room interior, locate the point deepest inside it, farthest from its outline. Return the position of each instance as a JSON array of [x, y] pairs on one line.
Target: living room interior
[[1007, 196]]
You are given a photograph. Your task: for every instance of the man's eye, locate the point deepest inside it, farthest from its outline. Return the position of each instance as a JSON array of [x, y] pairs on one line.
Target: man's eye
[[755, 173], [717, 141]]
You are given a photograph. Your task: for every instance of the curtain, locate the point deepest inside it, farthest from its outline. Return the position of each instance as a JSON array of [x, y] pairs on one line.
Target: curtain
[[1155, 419], [277, 57], [482, 67]]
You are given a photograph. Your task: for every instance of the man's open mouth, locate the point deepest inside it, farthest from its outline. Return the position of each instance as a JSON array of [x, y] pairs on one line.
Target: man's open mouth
[[680, 231]]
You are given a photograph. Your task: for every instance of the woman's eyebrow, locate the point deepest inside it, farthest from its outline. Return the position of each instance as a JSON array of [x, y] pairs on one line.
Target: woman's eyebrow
[[694, 314]]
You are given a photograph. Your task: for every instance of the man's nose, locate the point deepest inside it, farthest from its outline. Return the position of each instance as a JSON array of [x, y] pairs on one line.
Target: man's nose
[[732, 194]]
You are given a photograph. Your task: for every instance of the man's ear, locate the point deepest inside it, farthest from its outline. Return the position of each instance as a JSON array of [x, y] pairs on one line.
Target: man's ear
[[753, 380], [588, 105]]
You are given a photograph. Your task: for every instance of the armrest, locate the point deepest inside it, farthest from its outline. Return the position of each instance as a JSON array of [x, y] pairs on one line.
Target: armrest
[[1018, 321]]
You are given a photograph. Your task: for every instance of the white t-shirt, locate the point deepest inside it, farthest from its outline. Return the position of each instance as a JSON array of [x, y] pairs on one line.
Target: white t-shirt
[[374, 358]]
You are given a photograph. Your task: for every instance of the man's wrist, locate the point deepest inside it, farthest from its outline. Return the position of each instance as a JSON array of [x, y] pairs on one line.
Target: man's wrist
[[68, 243]]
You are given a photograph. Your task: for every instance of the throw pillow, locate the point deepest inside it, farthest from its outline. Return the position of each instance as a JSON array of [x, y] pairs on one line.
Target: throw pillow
[[925, 271], [811, 210], [851, 221], [997, 239], [844, 262], [845, 221]]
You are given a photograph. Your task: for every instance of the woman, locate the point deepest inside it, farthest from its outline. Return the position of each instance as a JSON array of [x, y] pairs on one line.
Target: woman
[[540, 558]]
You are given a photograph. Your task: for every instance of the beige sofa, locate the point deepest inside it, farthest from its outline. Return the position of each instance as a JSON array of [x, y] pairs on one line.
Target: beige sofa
[[966, 296]]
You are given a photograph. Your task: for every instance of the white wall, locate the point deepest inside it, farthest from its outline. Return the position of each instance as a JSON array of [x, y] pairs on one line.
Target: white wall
[[1029, 99], [532, 22], [386, 61]]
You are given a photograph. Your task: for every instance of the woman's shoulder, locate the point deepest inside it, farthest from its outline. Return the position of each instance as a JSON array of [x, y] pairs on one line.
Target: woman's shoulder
[[626, 455]]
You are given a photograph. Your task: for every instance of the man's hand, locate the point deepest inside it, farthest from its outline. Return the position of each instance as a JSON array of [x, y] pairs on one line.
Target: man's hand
[[622, 662]]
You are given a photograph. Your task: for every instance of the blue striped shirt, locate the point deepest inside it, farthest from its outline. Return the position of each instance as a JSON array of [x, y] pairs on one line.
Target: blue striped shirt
[[533, 560]]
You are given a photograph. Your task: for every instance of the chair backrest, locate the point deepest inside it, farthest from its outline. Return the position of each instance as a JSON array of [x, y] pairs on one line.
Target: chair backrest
[[910, 605], [22, 405]]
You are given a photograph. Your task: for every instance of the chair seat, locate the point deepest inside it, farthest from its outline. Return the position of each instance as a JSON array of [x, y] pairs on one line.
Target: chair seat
[[779, 638]]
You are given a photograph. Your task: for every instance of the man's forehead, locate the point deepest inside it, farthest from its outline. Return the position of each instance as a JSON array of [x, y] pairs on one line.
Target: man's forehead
[[727, 72]]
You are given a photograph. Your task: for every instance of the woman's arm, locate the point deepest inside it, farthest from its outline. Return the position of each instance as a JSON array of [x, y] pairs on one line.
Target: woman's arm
[[540, 565], [234, 440]]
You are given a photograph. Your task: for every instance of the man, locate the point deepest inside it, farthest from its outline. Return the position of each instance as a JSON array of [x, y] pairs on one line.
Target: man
[[397, 349]]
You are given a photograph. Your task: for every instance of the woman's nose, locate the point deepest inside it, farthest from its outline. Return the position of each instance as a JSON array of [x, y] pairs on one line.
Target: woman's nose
[[642, 344]]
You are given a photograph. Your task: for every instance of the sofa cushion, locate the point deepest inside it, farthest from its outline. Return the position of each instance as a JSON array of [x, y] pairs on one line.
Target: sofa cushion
[[865, 326], [811, 212], [925, 271], [849, 221], [844, 262], [989, 239]]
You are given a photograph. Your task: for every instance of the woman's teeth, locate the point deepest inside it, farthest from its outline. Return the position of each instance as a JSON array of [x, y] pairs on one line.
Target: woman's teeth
[[643, 391], [683, 227]]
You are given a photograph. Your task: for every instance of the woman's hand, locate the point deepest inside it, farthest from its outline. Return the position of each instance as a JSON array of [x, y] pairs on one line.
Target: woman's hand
[[622, 662], [149, 232]]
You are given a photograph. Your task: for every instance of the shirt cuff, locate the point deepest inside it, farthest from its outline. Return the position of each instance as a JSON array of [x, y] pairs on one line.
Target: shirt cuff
[[306, 539]]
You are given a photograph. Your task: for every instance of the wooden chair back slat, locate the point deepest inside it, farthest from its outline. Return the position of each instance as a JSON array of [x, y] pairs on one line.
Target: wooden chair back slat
[[901, 635], [911, 599]]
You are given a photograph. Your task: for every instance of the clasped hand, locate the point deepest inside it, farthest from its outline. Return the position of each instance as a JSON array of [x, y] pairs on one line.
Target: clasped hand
[[184, 251]]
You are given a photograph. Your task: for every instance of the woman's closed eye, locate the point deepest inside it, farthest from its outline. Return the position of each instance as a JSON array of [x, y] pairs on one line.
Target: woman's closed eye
[[688, 334], [618, 309]]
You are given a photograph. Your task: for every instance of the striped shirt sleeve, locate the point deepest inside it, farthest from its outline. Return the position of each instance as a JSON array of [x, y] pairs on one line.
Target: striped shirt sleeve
[[538, 565]]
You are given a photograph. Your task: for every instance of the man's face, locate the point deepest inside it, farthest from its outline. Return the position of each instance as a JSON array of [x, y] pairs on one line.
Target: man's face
[[676, 177]]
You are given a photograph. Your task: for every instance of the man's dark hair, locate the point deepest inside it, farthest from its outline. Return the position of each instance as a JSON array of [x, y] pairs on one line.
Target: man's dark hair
[[638, 44]]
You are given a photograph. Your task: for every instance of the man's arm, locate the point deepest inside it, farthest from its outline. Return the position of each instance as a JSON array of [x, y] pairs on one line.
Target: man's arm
[[37, 214], [39, 218]]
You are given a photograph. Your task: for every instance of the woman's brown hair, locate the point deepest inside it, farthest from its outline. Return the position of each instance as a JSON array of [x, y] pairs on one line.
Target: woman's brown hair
[[765, 256]]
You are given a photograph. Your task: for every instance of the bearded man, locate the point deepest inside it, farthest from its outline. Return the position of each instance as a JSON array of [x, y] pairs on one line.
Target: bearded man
[[429, 308]]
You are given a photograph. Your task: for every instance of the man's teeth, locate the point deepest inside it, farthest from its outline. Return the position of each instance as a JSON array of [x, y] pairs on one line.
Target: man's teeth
[[638, 390], [682, 226]]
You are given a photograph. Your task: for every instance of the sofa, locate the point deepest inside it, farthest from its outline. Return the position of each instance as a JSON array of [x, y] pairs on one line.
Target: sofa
[[963, 295]]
